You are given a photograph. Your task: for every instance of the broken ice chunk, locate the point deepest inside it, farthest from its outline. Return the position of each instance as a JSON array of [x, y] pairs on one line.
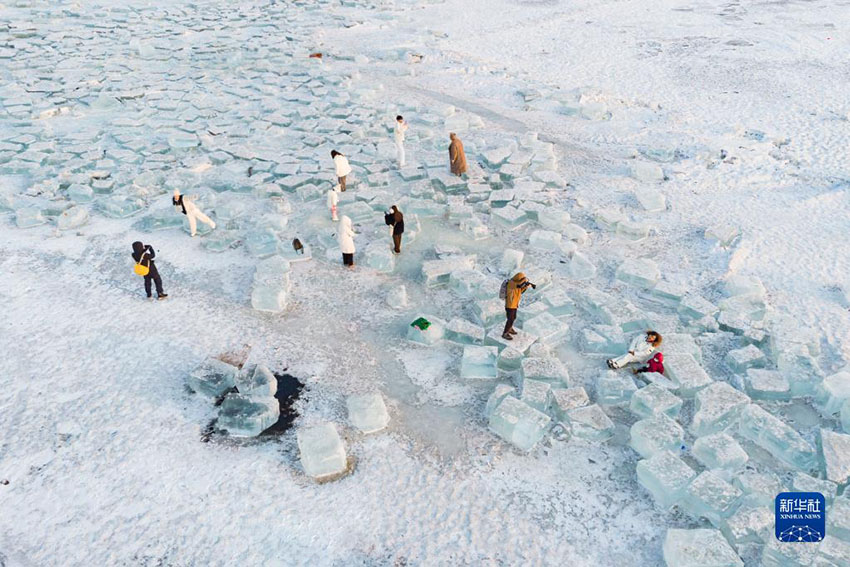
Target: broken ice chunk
[[262, 242], [464, 332], [614, 388], [119, 207], [776, 437], [802, 482], [633, 230], [549, 329], [490, 311], [510, 359], [640, 272], [699, 548], [438, 272], [603, 339], [380, 257], [666, 293], [834, 449], [518, 423], [429, 335], [686, 373], [213, 378], [474, 228], [833, 552], [521, 341], [397, 297], [258, 382], [838, 519], [548, 369], [247, 416], [693, 306], [760, 488], [544, 240], [74, 217], [553, 219], [742, 359], [831, 394], [499, 393], [580, 267], [536, 394], [655, 435], [717, 407], [725, 235], [750, 523], [608, 219], [666, 477], [651, 199], [566, 399], [367, 412], [784, 554], [322, 451], [591, 423], [845, 416], [466, 282], [652, 400], [479, 362], [721, 453], [509, 218], [767, 385], [647, 172]]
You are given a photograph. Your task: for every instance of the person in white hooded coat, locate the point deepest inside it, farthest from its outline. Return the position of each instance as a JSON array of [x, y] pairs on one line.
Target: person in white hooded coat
[[193, 214], [341, 166], [400, 129], [640, 350], [345, 239], [333, 201]]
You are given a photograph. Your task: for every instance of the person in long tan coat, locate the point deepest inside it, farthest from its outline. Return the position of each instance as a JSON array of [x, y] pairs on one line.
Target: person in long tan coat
[[457, 157]]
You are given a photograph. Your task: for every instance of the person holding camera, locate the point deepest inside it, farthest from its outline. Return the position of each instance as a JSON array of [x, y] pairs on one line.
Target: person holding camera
[[513, 293]]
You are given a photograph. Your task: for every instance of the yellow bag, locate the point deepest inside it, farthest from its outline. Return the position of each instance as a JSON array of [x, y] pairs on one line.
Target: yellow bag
[[141, 269]]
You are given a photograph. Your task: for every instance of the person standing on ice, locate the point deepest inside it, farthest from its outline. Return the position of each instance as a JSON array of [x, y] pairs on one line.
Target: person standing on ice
[[400, 129], [395, 219], [345, 238], [457, 157], [333, 201], [640, 350], [144, 254], [184, 205], [514, 289], [342, 167]]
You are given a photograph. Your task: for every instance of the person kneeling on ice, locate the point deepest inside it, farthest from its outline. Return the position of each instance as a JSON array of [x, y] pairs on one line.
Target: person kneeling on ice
[[193, 213], [143, 254], [512, 291], [655, 364], [345, 239], [640, 350]]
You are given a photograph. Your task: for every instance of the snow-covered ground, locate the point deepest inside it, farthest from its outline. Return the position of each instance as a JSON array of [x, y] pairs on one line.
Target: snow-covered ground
[[101, 459]]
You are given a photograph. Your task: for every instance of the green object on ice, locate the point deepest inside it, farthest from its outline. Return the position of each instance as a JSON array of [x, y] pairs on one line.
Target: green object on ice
[[422, 324]]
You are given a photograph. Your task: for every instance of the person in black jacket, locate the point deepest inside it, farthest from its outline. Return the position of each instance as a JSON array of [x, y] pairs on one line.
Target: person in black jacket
[[395, 219], [144, 254]]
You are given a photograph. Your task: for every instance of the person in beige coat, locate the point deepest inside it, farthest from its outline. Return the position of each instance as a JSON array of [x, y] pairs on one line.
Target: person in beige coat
[[457, 157]]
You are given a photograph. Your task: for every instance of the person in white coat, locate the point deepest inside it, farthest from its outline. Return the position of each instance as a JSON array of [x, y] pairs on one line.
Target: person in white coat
[[342, 167], [400, 129], [185, 205], [333, 201], [345, 238], [640, 350]]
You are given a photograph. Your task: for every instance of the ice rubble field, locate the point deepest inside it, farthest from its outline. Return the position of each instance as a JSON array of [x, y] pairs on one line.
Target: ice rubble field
[[675, 166]]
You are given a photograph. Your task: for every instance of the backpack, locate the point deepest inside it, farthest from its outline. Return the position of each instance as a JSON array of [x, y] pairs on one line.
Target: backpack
[[503, 291]]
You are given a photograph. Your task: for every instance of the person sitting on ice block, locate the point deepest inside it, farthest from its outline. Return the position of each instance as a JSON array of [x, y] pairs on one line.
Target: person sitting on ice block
[[655, 364], [640, 350]]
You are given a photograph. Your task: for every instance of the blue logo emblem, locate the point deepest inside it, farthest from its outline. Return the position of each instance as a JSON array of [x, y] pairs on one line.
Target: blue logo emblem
[[800, 517]]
